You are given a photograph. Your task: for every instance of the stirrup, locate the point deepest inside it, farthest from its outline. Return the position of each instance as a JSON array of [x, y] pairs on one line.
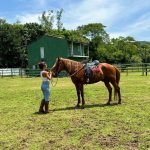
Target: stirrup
[[87, 80]]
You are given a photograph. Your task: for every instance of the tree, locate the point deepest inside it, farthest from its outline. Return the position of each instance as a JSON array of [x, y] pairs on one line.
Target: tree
[[29, 33], [2, 21], [144, 52], [98, 38], [128, 47], [94, 30], [59, 17], [13, 43], [10, 45], [47, 19]]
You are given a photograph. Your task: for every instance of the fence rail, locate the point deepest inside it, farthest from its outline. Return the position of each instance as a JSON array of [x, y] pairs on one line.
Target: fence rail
[[23, 72], [144, 69], [12, 72]]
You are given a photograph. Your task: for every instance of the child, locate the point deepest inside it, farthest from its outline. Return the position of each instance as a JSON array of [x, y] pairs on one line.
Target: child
[[46, 77]]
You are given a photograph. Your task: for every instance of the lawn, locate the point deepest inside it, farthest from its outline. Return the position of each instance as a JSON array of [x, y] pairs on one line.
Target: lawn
[[114, 127]]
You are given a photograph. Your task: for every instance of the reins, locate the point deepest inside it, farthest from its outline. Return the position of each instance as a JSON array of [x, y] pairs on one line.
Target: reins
[[53, 81], [76, 71]]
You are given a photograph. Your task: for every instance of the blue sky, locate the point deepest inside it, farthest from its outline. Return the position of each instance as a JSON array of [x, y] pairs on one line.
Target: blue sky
[[121, 17]]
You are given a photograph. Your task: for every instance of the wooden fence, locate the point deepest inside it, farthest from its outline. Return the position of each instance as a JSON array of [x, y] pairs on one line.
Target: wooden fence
[[143, 69]]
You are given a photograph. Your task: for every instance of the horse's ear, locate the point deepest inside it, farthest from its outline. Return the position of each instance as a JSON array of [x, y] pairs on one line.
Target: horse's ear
[[59, 58]]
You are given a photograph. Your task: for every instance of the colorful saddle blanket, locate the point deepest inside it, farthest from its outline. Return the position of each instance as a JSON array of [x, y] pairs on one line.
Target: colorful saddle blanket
[[90, 68]]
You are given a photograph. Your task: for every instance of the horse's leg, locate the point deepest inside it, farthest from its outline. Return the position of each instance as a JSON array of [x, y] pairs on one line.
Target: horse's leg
[[82, 94], [117, 89], [78, 94], [107, 84]]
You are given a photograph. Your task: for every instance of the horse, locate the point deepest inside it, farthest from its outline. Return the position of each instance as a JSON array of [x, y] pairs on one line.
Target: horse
[[104, 72]]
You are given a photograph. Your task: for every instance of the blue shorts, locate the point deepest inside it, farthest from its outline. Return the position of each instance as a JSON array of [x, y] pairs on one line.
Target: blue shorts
[[46, 90]]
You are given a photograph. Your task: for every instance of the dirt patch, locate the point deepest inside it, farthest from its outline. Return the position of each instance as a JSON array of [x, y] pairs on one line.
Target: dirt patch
[[86, 138], [108, 141]]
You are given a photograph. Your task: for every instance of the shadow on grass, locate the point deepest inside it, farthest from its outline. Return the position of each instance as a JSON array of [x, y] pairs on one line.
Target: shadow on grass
[[85, 107], [39, 113]]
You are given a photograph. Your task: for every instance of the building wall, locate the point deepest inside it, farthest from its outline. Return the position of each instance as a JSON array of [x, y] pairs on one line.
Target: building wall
[[53, 48]]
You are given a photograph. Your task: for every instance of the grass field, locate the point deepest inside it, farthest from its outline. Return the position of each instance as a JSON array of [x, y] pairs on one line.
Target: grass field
[[114, 127]]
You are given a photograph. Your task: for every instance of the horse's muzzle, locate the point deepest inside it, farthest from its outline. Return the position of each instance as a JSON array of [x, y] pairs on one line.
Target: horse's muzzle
[[54, 74]]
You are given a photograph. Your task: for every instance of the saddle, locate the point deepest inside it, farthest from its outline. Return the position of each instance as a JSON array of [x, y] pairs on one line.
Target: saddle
[[90, 68]]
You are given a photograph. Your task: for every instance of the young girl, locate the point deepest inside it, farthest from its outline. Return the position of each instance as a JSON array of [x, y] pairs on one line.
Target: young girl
[[46, 77]]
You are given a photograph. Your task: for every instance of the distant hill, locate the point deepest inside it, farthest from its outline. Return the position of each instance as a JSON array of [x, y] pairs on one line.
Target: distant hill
[[144, 42]]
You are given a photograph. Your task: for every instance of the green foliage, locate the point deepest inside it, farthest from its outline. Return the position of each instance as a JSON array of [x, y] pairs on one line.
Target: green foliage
[[59, 17], [98, 37], [75, 35], [2, 21], [31, 32], [47, 19], [125, 50], [93, 30], [10, 43], [14, 39], [97, 127], [136, 59]]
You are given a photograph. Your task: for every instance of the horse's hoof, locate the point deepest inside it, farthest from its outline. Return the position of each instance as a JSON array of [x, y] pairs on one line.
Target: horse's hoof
[[82, 107], [77, 106], [108, 103]]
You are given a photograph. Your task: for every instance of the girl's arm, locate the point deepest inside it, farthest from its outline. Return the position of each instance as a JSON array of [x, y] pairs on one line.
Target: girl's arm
[[48, 75]]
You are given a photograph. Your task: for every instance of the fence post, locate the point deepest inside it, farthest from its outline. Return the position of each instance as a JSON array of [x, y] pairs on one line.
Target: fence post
[[2, 72], [142, 69], [127, 70], [21, 72], [11, 73], [146, 69]]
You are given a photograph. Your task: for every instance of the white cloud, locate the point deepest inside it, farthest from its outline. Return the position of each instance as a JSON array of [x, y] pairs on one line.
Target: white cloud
[[28, 18], [91, 11], [41, 2], [136, 29], [122, 18]]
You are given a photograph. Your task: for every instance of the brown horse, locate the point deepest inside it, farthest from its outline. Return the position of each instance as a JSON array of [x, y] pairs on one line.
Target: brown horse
[[103, 72]]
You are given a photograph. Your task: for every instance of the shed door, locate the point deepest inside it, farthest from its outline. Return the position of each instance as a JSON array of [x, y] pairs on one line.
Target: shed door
[[42, 52]]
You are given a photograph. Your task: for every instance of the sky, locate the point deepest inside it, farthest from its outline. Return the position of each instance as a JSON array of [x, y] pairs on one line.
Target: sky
[[121, 17]]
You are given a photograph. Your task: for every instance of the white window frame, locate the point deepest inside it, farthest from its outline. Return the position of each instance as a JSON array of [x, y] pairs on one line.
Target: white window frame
[[42, 52]]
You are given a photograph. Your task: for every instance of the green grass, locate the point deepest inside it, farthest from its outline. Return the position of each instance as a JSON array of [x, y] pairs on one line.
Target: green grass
[[114, 127]]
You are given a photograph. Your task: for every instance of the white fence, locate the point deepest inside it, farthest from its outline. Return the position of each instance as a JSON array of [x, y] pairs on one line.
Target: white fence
[[12, 72], [144, 68]]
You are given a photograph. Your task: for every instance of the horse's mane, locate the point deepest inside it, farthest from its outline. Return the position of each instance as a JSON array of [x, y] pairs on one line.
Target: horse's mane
[[70, 60], [65, 60]]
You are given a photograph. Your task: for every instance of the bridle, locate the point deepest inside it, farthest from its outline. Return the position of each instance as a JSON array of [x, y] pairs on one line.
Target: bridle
[[56, 76]]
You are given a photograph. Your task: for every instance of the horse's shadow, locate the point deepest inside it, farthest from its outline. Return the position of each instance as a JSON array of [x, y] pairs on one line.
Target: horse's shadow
[[85, 107]]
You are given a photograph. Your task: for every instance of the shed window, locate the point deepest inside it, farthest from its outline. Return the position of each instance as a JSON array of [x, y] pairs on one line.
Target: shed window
[[42, 52]]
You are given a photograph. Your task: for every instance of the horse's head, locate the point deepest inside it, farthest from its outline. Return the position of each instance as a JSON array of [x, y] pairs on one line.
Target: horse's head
[[57, 67]]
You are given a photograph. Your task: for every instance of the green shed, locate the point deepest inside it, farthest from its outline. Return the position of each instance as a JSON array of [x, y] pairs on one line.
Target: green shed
[[48, 48]]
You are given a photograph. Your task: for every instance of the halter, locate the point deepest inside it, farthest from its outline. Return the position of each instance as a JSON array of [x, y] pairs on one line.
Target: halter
[[56, 80]]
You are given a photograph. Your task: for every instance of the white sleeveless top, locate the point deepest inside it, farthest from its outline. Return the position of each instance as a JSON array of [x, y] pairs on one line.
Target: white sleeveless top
[[43, 78]]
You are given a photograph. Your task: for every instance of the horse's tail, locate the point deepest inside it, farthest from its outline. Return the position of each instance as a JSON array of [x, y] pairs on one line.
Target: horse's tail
[[117, 81], [117, 75]]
